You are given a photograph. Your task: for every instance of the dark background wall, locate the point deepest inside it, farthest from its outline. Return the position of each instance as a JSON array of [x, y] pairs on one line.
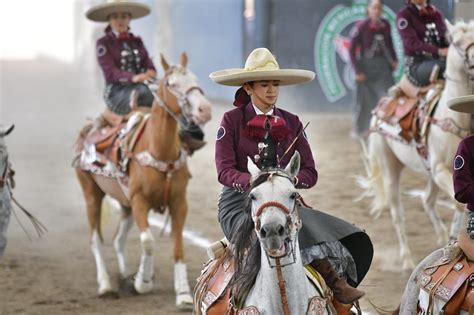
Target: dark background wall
[[289, 29]]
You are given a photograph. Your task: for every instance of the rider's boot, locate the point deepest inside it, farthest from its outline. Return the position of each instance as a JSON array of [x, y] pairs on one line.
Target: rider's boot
[[343, 292]]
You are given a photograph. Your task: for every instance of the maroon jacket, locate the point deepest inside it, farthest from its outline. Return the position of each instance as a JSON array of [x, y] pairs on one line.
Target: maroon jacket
[[233, 148], [412, 26], [463, 174], [366, 37], [109, 50]]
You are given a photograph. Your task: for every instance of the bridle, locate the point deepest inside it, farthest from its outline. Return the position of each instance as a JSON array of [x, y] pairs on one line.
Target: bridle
[[464, 54], [293, 219], [5, 174], [289, 213], [181, 97]]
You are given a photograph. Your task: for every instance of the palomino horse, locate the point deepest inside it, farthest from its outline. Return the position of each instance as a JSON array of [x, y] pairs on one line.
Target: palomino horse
[[270, 277], [158, 176], [388, 156], [5, 186], [443, 282]]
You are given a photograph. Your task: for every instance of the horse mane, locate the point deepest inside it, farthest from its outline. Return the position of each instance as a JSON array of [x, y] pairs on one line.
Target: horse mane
[[247, 251], [461, 29]]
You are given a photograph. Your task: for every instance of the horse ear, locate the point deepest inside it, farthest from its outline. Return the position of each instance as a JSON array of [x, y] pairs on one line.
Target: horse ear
[[294, 166], [253, 169], [449, 26], [164, 63], [10, 129], [184, 59]]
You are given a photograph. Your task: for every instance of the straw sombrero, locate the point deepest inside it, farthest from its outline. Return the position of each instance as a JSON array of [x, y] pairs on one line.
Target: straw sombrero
[[101, 12], [261, 65], [463, 104]]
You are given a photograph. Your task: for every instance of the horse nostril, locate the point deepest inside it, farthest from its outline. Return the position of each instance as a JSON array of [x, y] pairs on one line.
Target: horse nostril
[[281, 231]]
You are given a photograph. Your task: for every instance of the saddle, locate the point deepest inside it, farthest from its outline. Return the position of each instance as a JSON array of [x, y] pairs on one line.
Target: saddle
[[213, 291], [407, 111], [451, 281]]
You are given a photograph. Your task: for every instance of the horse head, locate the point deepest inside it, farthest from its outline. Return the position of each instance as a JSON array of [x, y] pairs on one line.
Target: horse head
[[182, 94], [461, 52], [273, 205]]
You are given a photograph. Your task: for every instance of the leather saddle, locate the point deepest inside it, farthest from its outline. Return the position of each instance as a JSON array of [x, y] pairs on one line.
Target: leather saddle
[[407, 108], [451, 280]]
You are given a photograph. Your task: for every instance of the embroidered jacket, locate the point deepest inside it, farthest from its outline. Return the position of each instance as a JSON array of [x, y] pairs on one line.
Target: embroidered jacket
[[463, 174], [233, 148], [373, 40], [422, 33], [122, 58]]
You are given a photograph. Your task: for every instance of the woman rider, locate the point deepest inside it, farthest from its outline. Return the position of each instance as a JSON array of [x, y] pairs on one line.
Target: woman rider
[[263, 132], [126, 65], [423, 32]]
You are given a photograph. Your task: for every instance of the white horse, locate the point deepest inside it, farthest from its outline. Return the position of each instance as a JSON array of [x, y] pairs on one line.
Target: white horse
[[5, 194], [387, 157], [271, 271]]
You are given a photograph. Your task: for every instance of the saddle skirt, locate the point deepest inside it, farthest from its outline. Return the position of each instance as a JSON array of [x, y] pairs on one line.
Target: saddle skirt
[[105, 151], [406, 118], [215, 297], [452, 281]]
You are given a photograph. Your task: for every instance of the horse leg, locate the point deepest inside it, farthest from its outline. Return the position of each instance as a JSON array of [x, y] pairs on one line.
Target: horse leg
[[144, 278], [125, 224], [429, 204], [178, 211], [443, 177], [93, 196], [392, 169]]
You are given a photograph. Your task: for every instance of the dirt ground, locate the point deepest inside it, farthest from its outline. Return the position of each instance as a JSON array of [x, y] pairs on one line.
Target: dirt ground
[[56, 274]]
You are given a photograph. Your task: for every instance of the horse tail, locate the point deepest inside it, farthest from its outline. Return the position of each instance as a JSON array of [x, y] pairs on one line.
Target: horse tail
[[372, 184]]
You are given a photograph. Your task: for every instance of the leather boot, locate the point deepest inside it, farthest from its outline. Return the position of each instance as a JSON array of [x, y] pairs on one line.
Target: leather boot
[[343, 292]]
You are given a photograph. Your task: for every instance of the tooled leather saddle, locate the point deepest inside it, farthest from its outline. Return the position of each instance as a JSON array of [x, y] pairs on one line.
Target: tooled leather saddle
[[410, 116], [451, 281], [215, 296]]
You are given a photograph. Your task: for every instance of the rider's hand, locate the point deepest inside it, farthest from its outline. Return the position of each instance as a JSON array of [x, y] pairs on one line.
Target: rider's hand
[[151, 74], [443, 52], [138, 78], [394, 65], [360, 77]]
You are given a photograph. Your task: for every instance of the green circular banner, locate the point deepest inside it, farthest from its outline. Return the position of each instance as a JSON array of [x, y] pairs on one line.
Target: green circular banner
[[329, 43]]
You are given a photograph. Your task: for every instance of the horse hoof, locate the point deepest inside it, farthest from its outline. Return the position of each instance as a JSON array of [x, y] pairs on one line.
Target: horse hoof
[[184, 302], [110, 295], [143, 287]]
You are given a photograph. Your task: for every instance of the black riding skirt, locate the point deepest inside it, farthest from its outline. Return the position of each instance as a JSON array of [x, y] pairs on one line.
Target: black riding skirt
[[117, 97], [418, 69], [318, 228]]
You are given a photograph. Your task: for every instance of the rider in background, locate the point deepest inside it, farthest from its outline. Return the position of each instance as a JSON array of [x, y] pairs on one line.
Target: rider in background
[[374, 59], [260, 130], [423, 32], [123, 57]]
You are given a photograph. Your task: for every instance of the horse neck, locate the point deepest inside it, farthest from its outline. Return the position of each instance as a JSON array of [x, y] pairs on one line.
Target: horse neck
[[457, 84], [162, 134], [266, 286]]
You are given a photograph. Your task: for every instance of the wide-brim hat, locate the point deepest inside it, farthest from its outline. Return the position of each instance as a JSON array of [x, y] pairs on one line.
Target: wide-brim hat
[[101, 12], [261, 65], [463, 104]]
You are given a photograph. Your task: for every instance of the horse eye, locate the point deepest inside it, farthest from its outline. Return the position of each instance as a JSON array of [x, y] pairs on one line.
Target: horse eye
[[293, 196], [252, 197]]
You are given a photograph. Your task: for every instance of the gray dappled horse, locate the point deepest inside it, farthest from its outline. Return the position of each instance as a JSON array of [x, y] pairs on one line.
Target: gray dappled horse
[[5, 186]]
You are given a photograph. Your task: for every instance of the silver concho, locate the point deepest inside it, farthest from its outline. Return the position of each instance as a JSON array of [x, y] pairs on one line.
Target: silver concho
[[458, 266]]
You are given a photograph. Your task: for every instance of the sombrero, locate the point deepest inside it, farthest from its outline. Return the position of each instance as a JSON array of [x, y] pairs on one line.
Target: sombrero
[[261, 65], [101, 12], [463, 104]]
